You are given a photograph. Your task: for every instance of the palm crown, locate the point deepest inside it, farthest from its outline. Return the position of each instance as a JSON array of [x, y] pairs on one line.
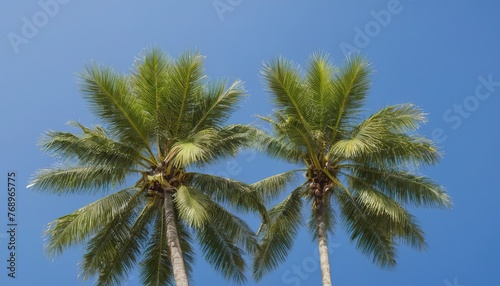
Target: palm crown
[[357, 170], [159, 121]]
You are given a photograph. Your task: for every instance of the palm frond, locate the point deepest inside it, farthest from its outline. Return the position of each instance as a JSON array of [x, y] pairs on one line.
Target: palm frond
[[185, 83], [192, 149], [192, 206], [368, 230], [226, 191], [72, 179], [231, 139], [277, 146], [376, 201], [235, 228], [319, 85], [278, 234], [399, 118], [149, 85], [93, 147], [402, 186], [271, 187], [350, 88], [220, 239], [110, 98], [103, 248], [74, 228], [119, 261], [382, 137], [216, 106], [209, 145], [284, 81], [403, 150]]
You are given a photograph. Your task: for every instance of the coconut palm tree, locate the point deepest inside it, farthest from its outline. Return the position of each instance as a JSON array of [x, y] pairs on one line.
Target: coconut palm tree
[[357, 171], [158, 124]]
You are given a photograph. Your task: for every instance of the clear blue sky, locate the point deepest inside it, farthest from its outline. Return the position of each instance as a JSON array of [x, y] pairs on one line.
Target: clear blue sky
[[441, 55]]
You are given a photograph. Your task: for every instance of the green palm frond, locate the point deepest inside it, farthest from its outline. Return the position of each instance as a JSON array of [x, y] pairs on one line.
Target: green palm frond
[[217, 105], [110, 99], [79, 225], [277, 146], [72, 179], [235, 228], [283, 80], [271, 187], [381, 137], [370, 231], [127, 249], [193, 149], [232, 138], [228, 192], [278, 234], [149, 85], [103, 248], [319, 86], [403, 150], [376, 201], [209, 145], [220, 240], [402, 186], [350, 87], [192, 206], [399, 118], [93, 147], [184, 87]]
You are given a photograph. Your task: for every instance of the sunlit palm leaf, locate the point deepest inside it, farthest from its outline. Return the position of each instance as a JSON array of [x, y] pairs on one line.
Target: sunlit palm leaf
[[192, 205]]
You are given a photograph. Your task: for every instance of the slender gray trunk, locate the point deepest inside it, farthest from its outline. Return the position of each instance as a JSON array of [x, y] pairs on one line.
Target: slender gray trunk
[[180, 275], [323, 250]]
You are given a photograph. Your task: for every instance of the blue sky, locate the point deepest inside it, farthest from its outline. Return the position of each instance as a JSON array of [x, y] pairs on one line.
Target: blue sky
[[441, 55]]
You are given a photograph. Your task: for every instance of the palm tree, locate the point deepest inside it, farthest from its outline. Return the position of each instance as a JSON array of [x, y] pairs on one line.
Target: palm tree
[[357, 171], [158, 123]]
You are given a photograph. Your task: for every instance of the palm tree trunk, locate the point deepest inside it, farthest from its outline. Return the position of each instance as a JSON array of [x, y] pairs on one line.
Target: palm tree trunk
[[178, 267], [323, 249]]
